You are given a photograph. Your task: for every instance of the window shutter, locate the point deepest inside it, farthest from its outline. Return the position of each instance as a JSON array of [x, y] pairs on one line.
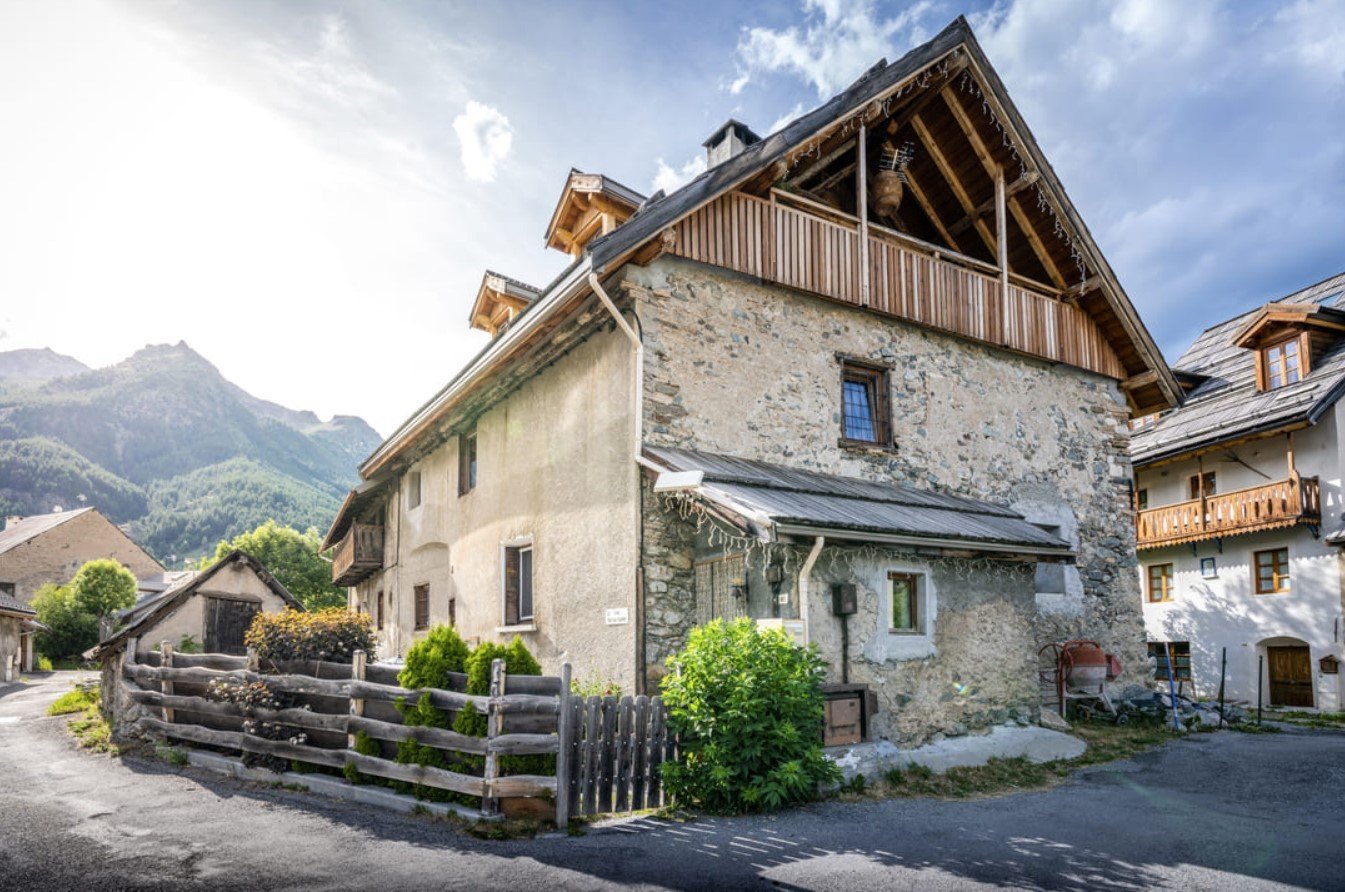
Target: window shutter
[[511, 586], [464, 484]]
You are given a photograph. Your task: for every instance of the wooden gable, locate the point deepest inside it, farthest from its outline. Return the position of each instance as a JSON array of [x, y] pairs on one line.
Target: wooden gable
[[590, 205], [498, 301]]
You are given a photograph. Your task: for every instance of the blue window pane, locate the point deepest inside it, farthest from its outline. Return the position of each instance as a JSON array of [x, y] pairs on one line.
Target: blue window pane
[[858, 409]]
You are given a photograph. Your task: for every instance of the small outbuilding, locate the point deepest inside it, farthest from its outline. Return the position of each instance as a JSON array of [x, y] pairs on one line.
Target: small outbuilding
[[18, 622]]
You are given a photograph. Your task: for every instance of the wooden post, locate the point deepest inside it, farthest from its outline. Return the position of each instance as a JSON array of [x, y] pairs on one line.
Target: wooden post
[[1294, 488], [564, 730], [1002, 231], [490, 803], [1200, 485], [166, 661], [862, 202], [356, 703], [254, 662]]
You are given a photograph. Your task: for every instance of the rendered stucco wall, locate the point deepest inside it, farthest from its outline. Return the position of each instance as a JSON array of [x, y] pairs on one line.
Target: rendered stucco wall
[[737, 367], [554, 464], [56, 555], [189, 618], [1223, 610]]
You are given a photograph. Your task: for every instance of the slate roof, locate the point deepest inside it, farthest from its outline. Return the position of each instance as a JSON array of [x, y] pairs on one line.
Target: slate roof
[[850, 508], [15, 606], [32, 527], [1227, 405]]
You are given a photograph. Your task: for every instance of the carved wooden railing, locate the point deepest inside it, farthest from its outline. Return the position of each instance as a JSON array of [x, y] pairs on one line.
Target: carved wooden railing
[[815, 248], [359, 555], [1279, 504]]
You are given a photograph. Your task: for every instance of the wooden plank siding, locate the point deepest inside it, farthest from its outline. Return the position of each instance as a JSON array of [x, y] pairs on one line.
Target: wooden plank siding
[[797, 249]]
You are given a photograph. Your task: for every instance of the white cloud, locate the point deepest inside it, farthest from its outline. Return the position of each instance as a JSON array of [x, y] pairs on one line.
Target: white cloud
[[669, 178], [486, 138], [838, 42]]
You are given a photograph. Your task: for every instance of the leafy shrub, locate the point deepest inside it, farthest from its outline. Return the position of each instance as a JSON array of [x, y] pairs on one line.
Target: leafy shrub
[[188, 644], [333, 634], [259, 695], [365, 746], [747, 707], [71, 629], [44, 664], [430, 659], [103, 586], [595, 687]]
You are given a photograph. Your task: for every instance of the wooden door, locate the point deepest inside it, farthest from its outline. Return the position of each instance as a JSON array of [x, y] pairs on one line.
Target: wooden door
[[226, 622], [1290, 676]]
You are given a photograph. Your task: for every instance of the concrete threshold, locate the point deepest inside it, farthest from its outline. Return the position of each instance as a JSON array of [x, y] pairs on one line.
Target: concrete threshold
[[1003, 742], [332, 787]]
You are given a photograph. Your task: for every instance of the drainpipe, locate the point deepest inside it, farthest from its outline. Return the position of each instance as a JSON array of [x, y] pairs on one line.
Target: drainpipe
[[802, 584]]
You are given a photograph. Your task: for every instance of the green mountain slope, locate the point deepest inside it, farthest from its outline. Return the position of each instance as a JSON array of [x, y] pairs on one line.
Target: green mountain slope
[[133, 436]]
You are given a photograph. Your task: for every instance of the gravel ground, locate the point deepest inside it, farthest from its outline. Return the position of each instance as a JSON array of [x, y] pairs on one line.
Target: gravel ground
[[1216, 811]]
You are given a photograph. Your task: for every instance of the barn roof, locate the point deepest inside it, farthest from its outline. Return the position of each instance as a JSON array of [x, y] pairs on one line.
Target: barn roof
[[14, 607], [31, 527], [772, 500]]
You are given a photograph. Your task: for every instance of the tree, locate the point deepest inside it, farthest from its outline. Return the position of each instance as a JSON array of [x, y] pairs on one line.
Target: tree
[[102, 587], [292, 557], [71, 630]]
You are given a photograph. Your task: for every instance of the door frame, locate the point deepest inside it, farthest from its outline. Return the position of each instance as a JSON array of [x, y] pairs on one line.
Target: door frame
[[1306, 655]]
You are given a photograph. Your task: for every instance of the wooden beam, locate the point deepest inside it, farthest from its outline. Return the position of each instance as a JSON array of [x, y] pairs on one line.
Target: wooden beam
[[923, 200], [954, 183], [1077, 291], [1143, 379], [821, 164], [1001, 232], [862, 198], [988, 206]]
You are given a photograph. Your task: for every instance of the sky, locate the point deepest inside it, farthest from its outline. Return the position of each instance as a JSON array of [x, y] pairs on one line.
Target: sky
[[308, 193]]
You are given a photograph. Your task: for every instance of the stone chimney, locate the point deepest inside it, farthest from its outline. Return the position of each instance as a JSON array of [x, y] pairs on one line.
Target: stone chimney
[[729, 140], [12, 521]]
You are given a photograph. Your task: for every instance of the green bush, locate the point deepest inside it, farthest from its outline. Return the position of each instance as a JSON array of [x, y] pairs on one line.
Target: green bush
[[103, 586], [747, 707], [430, 659], [44, 664], [333, 634], [71, 629]]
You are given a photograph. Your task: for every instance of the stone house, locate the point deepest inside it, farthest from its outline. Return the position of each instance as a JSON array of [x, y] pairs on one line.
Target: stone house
[[866, 379], [52, 547], [1239, 506], [18, 623]]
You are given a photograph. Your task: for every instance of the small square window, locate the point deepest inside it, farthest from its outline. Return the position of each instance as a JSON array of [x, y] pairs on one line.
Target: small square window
[[1142, 499], [466, 462], [413, 490], [864, 409], [1208, 568], [905, 602], [1180, 652], [7, 588], [518, 607], [1272, 571]]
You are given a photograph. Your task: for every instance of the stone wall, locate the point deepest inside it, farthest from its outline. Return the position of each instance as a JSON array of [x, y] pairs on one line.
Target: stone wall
[[738, 367]]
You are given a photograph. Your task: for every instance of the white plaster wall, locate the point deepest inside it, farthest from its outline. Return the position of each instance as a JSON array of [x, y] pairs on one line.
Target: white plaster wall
[[554, 463], [1225, 611]]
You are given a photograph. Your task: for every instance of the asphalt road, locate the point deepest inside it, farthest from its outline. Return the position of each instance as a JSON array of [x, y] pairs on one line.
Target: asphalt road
[[1218, 811]]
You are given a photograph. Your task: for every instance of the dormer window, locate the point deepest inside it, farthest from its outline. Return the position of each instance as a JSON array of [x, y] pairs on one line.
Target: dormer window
[[1282, 364]]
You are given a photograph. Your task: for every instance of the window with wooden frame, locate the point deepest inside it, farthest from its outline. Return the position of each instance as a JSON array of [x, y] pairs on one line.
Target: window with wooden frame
[[865, 416], [1282, 363], [466, 462], [518, 584], [1142, 499], [413, 490], [905, 602], [1272, 571], [378, 616], [422, 618], [1193, 484], [1181, 659], [1160, 583]]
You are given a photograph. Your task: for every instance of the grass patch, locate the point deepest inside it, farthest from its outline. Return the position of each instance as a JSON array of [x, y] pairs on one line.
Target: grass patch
[[1310, 719], [1106, 743], [78, 700], [172, 755], [89, 727]]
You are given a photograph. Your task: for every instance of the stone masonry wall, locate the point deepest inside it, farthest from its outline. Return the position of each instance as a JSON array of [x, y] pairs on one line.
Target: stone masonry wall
[[752, 370]]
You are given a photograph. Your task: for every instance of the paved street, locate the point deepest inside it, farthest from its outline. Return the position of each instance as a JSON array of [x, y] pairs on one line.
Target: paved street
[[1225, 811]]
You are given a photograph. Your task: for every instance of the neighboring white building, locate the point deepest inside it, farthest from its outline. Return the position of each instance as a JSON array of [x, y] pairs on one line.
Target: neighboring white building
[[1239, 500]]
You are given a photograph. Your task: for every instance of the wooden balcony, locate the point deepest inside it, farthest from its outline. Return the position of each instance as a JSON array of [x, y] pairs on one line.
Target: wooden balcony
[[1283, 503], [359, 555], [801, 244]]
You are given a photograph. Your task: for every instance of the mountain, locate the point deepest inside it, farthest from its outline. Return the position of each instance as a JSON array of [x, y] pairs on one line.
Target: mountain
[[35, 366], [164, 443]]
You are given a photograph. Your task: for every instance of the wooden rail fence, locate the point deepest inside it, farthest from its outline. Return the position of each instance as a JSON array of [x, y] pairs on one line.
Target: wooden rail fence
[[817, 249], [608, 750]]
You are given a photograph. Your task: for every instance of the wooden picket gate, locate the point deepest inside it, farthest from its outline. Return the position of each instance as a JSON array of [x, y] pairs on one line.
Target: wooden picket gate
[[614, 752]]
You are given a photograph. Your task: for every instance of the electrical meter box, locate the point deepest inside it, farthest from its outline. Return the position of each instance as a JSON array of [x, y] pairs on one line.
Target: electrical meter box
[[844, 599]]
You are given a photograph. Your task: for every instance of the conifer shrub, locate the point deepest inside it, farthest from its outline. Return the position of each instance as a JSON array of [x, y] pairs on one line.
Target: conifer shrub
[[746, 704], [333, 635]]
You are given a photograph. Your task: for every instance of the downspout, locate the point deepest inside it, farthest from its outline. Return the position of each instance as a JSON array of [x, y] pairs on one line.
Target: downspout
[[637, 452], [802, 584]]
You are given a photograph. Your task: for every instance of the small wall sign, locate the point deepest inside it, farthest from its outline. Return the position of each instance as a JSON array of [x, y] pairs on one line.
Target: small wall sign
[[1208, 569], [616, 616]]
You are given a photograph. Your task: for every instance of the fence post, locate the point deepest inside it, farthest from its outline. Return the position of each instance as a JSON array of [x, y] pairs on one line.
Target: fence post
[[356, 703], [166, 662], [490, 803], [563, 732], [254, 662]]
